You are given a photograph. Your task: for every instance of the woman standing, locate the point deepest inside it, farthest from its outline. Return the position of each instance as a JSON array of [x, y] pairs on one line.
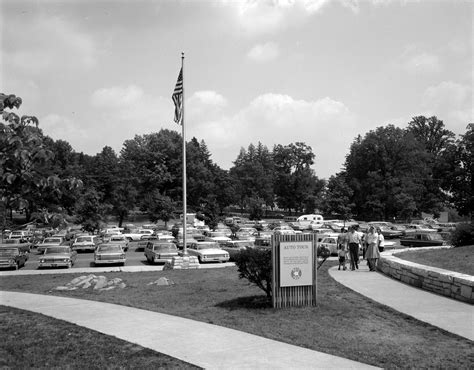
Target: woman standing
[[372, 254]]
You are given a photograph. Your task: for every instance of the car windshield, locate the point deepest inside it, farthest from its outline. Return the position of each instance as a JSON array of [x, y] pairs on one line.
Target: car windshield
[[109, 248], [217, 234], [118, 239], [165, 248], [83, 239], [6, 252], [53, 250], [52, 240], [208, 246]]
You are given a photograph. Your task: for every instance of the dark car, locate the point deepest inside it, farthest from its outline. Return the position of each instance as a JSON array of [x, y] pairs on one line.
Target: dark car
[[421, 239], [12, 257]]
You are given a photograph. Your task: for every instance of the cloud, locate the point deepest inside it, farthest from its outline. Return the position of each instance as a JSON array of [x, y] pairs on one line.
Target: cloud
[[451, 102], [325, 124], [205, 105], [263, 53], [413, 60], [263, 17], [47, 44], [117, 96]]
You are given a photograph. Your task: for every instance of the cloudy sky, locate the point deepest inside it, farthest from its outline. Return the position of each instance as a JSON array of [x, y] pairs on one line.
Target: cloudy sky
[[99, 72]]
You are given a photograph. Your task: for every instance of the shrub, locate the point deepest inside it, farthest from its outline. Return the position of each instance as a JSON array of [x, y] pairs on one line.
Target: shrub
[[463, 235], [255, 265]]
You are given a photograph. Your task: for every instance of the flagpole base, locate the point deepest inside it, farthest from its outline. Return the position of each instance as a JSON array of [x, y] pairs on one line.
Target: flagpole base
[[182, 263]]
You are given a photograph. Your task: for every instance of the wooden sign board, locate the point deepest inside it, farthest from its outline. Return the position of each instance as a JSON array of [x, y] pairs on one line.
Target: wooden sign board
[[294, 262]]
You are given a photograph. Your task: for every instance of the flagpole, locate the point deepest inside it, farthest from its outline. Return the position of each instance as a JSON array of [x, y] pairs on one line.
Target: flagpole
[[185, 251]]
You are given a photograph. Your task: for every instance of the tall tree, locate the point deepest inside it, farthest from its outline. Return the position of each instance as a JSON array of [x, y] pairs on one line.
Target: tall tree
[[462, 179], [436, 141], [296, 185], [386, 171], [337, 200]]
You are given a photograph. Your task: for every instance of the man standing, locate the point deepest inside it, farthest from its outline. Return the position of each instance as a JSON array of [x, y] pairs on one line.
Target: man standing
[[354, 239]]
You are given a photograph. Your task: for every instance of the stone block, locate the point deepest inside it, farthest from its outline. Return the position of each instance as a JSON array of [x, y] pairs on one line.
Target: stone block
[[101, 282], [466, 291]]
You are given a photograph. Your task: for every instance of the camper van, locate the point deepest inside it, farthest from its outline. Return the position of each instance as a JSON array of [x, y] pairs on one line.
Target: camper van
[[306, 220]]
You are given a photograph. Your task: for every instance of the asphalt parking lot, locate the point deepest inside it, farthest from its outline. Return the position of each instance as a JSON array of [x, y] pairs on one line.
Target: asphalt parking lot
[[136, 261]]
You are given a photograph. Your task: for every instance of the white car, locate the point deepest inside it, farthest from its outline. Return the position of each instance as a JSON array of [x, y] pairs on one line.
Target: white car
[[85, 243], [119, 239], [217, 236], [284, 230], [137, 234], [330, 242], [49, 242], [208, 252]]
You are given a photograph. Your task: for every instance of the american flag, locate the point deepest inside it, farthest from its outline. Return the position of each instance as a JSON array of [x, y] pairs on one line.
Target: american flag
[[178, 99]]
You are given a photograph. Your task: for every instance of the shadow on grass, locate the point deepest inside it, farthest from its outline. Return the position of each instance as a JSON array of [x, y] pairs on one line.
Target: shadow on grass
[[250, 302]]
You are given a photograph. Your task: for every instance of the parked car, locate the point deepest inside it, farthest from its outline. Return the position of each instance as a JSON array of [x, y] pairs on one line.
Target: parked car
[[208, 251], [263, 238], [235, 246], [23, 246], [390, 232], [284, 230], [49, 242], [217, 236], [413, 228], [422, 239], [159, 251], [120, 239], [12, 257], [135, 235], [58, 256], [108, 253], [85, 243], [330, 242], [23, 235]]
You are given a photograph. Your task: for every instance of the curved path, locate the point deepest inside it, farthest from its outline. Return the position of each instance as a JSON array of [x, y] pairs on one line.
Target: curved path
[[445, 313], [198, 343]]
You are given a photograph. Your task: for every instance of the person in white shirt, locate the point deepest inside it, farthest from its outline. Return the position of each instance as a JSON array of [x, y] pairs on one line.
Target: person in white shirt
[[354, 239]]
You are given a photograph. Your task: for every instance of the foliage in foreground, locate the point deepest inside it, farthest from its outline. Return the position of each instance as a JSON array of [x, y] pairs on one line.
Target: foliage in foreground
[[463, 235], [255, 265]]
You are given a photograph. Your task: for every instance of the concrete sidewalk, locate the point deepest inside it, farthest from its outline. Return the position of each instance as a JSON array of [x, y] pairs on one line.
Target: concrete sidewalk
[[445, 313], [201, 344]]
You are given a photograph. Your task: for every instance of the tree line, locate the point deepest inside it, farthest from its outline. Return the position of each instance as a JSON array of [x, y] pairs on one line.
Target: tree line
[[389, 173]]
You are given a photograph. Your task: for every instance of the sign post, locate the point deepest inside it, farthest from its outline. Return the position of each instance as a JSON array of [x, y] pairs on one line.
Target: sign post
[[294, 261]]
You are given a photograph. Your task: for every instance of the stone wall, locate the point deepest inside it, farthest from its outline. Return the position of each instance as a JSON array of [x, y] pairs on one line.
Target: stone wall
[[448, 283]]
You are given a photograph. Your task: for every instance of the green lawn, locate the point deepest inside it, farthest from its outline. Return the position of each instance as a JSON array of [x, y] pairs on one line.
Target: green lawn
[[344, 323], [460, 259]]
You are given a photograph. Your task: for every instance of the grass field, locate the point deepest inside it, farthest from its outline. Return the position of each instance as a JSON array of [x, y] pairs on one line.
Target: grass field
[[460, 259], [344, 323]]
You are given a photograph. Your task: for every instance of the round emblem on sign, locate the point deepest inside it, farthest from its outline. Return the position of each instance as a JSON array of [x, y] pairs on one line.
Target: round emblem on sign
[[296, 273]]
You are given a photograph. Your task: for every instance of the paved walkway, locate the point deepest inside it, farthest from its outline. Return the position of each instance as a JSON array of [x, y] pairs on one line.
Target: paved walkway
[[205, 345], [445, 313]]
